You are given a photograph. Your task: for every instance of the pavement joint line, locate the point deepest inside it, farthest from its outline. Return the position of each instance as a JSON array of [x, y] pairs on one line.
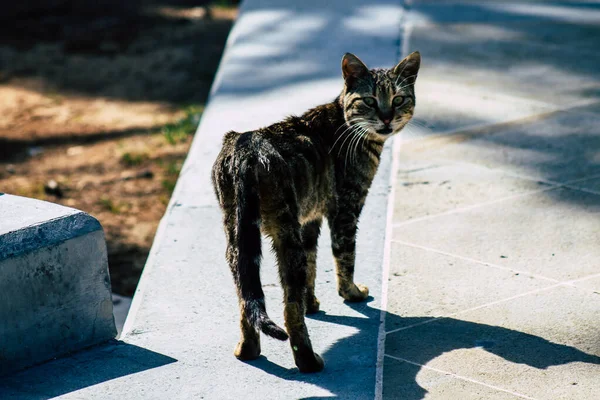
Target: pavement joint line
[[486, 128], [493, 303], [585, 178], [473, 206], [389, 231], [553, 186], [487, 264], [585, 278], [590, 191], [404, 36], [470, 131], [568, 184], [570, 283], [463, 378]]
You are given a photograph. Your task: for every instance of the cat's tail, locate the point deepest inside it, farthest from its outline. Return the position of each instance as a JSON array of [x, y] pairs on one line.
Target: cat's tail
[[249, 247]]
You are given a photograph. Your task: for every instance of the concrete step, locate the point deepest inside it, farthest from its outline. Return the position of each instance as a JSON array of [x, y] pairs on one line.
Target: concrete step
[[54, 283]]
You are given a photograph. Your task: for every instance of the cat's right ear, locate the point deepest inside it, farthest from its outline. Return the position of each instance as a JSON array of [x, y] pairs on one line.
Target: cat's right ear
[[353, 68]]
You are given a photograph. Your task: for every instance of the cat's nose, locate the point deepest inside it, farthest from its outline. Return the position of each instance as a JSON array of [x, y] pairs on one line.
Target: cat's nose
[[386, 121]]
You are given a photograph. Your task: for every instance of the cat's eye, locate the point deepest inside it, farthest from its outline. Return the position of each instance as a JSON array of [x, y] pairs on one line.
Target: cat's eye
[[398, 100], [369, 101]]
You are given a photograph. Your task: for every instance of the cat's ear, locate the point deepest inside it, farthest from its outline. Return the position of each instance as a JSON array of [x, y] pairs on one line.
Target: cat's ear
[[407, 69], [353, 68]]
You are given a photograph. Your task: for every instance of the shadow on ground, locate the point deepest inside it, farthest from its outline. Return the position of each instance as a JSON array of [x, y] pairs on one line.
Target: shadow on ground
[[420, 345], [144, 50], [87, 368]]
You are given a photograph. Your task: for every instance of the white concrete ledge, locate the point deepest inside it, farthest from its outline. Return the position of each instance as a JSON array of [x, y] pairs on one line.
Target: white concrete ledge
[[54, 283]]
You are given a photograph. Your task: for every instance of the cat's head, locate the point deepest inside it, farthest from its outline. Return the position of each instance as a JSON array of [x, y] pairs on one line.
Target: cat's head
[[379, 101]]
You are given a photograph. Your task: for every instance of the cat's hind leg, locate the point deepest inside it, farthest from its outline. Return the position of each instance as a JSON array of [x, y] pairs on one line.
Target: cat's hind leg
[[310, 237], [286, 233], [248, 348]]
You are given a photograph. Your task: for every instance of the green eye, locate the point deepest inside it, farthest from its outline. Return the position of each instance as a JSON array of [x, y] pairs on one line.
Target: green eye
[[369, 101], [398, 100]]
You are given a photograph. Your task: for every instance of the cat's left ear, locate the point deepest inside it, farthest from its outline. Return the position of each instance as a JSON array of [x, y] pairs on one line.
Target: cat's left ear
[[353, 68], [408, 68]]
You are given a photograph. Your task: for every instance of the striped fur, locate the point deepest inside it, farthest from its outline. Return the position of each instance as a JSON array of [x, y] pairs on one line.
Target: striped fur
[[283, 179]]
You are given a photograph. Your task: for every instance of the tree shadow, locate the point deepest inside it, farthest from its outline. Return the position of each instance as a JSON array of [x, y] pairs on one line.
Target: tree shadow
[[426, 340], [133, 50], [83, 369]]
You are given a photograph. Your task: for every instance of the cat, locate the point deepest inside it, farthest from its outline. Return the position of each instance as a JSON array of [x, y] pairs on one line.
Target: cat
[[283, 179]]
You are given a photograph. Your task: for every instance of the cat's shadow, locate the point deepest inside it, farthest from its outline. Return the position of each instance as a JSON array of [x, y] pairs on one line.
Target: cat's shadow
[[423, 341]]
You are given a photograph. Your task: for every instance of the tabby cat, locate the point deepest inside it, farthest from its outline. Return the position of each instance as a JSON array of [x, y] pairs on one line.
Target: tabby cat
[[283, 179]]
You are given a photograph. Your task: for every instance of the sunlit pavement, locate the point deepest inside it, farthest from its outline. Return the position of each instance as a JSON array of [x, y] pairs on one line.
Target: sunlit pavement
[[494, 274], [489, 252]]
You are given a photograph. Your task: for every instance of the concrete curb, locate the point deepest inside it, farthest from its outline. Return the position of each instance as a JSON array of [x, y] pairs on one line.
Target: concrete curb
[[54, 283]]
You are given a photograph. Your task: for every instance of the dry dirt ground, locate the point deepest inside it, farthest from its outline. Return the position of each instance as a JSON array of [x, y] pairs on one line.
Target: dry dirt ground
[[97, 112]]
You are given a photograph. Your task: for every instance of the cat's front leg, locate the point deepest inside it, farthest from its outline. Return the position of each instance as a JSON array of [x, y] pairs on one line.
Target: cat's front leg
[[343, 244]]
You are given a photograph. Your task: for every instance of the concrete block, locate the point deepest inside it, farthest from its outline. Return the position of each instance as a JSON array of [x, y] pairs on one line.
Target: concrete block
[[54, 283]]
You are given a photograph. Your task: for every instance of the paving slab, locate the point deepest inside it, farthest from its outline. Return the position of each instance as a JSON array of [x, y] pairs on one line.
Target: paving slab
[[544, 345], [445, 106], [513, 49], [592, 284], [587, 184], [502, 12], [540, 234], [408, 381], [431, 187], [493, 279], [559, 147], [459, 285]]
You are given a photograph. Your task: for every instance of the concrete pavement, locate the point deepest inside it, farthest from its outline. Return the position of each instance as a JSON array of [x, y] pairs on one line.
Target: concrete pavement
[[494, 274], [489, 240]]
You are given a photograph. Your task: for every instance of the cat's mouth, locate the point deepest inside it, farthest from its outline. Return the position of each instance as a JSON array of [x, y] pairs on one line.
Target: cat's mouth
[[384, 131]]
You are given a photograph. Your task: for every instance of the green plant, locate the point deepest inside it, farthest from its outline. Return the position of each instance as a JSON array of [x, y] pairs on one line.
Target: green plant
[[179, 131], [132, 159], [109, 205], [169, 184]]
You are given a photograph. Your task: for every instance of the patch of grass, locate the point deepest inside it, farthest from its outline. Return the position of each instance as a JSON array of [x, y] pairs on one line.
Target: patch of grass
[[35, 191], [109, 205], [179, 131], [172, 170], [131, 159]]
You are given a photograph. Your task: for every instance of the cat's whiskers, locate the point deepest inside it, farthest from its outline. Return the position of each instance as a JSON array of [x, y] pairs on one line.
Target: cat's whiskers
[[356, 128], [347, 132], [349, 127], [362, 135]]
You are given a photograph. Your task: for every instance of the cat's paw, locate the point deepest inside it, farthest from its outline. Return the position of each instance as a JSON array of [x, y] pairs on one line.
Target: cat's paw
[[355, 293], [247, 350], [310, 363], [312, 305]]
